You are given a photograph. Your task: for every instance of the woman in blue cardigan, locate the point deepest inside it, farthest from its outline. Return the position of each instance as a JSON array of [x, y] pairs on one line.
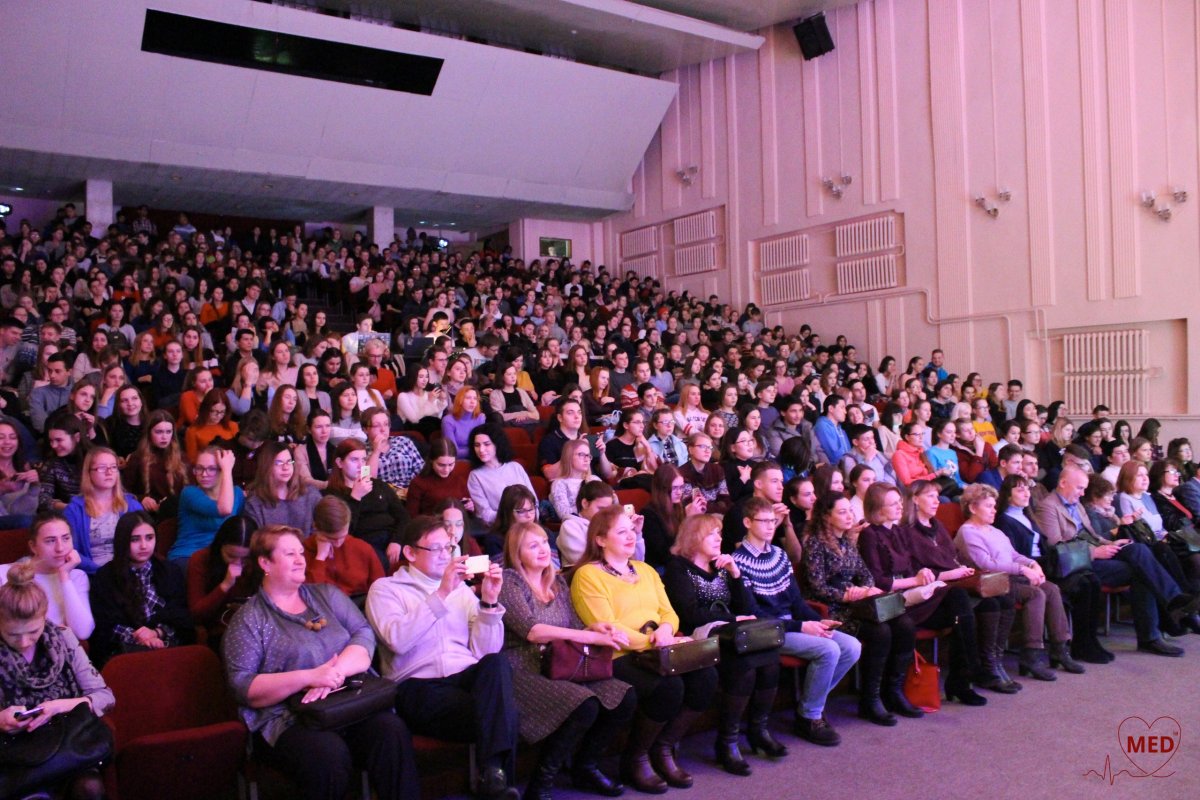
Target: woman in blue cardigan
[[93, 513]]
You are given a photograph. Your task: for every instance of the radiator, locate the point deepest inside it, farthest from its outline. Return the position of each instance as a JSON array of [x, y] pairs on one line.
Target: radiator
[[695, 227], [866, 236], [783, 253], [1109, 368], [787, 287], [697, 258], [644, 267], [866, 274], [639, 242]]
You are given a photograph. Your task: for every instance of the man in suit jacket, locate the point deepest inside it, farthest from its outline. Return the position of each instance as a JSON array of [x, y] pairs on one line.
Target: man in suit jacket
[[1062, 517]]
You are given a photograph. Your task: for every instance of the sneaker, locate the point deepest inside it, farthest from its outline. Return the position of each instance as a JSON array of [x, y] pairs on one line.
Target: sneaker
[[817, 731]]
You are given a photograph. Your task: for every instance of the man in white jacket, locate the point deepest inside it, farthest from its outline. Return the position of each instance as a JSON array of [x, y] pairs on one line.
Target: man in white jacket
[[442, 645]]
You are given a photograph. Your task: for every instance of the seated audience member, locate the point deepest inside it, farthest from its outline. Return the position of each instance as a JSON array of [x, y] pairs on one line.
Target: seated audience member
[[156, 472], [377, 514], [834, 574], [463, 417], [864, 450], [213, 422], [218, 577], [943, 458], [61, 473], [334, 556], [347, 419], [512, 403], [441, 644], [828, 431], [93, 513], [829, 652], [420, 405], [44, 667], [909, 461], [314, 456], [707, 587], [565, 715], [278, 496], [766, 482], [667, 447], [138, 599], [609, 586], [492, 470], [986, 548], [592, 498], [701, 474], [45, 400], [574, 470], [54, 566], [443, 478], [294, 637], [1165, 479], [395, 460], [1062, 517], [1081, 590], [975, 456], [1116, 455], [204, 506], [569, 426], [632, 458]]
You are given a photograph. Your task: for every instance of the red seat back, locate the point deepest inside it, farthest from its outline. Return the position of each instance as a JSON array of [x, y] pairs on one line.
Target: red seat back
[[951, 515], [638, 498], [14, 545]]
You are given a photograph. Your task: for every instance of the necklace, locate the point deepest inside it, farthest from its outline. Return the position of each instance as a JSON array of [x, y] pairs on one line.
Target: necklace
[[611, 570], [316, 623]]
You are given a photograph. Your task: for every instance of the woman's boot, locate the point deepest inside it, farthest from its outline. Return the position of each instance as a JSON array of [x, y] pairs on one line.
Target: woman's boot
[[964, 662], [870, 705], [663, 751], [1060, 656], [729, 728], [1031, 664], [635, 761], [758, 732], [988, 676], [894, 699]]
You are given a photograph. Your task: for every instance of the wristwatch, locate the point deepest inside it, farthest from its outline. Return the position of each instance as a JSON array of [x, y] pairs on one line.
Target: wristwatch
[[486, 604]]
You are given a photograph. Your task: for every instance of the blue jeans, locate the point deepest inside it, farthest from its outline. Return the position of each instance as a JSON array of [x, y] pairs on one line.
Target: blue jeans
[[828, 662]]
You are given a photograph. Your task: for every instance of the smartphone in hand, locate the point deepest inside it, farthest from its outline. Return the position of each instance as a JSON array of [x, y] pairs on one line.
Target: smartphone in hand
[[28, 713]]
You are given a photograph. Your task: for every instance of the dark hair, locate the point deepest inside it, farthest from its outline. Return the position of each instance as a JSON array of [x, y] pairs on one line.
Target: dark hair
[[237, 531], [660, 503], [439, 448], [418, 527], [1148, 431], [504, 451], [592, 491], [831, 402], [506, 509], [796, 454], [125, 591]]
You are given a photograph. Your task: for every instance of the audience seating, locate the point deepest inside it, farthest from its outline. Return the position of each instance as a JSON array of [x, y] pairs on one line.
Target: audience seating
[[526, 456], [951, 515], [638, 498], [175, 724], [14, 545], [1112, 593], [165, 533], [541, 487], [517, 435]]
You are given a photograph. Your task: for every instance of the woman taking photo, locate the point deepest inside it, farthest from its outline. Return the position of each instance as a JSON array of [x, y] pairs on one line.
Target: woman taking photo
[[44, 666], [834, 574], [218, 577], [377, 514], [294, 637], [314, 458], [278, 495], [443, 478], [93, 513], [985, 547], [669, 506], [334, 556], [608, 586], [213, 423], [562, 713], [128, 422], [464, 416], [492, 470], [706, 586], [54, 562], [204, 507], [139, 600], [420, 406]]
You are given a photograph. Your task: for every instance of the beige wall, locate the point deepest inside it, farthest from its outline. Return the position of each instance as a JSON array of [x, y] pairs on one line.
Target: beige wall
[[1075, 106]]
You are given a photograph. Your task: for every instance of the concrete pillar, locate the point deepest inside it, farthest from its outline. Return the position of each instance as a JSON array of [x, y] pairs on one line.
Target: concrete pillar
[[98, 205], [381, 226]]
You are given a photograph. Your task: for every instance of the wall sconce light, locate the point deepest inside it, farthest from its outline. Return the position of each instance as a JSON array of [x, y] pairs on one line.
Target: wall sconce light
[[1164, 213], [1180, 194], [1148, 199], [836, 188], [687, 174], [1004, 195], [987, 207]]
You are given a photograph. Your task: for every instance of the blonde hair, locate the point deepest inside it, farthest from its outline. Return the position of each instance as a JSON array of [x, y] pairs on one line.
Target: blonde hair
[[21, 599], [542, 581], [692, 531], [119, 506]]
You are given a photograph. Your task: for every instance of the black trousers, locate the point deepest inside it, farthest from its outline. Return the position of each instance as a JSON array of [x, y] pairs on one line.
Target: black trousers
[[324, 764], [475, 705], [662, 697]]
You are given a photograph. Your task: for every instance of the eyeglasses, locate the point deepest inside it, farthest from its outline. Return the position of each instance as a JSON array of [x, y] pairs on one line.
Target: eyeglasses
[[1172, 472], [445, 549], [106, 468], [206, 470], [288, 462], [702, 446], [744, 441], [528, 510], [763, 520], [454, 524]]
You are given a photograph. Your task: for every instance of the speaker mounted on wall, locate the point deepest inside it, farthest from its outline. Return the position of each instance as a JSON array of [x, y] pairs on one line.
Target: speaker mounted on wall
[[813, 36]]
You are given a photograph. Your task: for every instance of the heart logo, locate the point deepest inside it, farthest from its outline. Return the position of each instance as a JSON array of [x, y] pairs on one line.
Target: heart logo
[[1149, 746]]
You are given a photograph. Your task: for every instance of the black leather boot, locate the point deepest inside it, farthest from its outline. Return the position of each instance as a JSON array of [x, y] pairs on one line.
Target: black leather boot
[[729, 728], [870, 706], [893, 696], [662, 753], [759, 729], [1060, 656], [964, 662], [635, 761], [988, 676]]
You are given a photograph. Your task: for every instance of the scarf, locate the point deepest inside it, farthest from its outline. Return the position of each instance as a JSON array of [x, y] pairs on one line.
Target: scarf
[[315, 466], [48, 677]]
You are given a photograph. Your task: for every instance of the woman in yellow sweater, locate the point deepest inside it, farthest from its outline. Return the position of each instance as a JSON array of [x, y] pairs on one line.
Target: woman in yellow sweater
[[609, 586]]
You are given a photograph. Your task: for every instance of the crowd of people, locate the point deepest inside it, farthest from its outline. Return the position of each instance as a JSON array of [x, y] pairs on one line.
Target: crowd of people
[[435, 495]]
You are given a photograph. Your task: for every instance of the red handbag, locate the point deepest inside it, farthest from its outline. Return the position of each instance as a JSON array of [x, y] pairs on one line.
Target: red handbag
[[579, 663], [921, 685]]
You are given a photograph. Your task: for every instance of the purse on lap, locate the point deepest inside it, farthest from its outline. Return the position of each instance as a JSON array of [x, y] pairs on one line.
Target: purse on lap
[[360, 697], [678, 659], [985, 584], [67, 744], [878, 607], [1066, 558], [579, 663]]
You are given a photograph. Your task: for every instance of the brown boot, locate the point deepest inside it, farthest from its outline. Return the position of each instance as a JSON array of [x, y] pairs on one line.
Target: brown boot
[[635, 761], [662, 754]]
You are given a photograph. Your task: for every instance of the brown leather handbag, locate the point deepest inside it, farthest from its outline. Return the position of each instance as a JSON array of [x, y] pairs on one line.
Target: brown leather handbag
[[985, 584], [579, 663]]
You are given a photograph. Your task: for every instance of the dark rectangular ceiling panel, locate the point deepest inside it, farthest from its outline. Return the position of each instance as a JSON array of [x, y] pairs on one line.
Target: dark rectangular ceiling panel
[[251, 48]]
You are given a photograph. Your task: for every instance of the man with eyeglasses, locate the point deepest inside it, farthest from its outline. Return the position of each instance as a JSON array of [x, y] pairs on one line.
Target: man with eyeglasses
[[767, 572], [441, 644]]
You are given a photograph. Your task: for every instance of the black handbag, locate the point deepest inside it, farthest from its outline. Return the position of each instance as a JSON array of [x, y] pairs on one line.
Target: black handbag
[[678, 659], [67, 744], [751, 635], [1066, 558], [1186, 538], [1138, 531], [879, 607], [360, 697]]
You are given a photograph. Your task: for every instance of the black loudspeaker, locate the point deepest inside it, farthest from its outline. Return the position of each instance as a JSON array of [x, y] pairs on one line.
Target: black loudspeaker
[[813, 36]]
